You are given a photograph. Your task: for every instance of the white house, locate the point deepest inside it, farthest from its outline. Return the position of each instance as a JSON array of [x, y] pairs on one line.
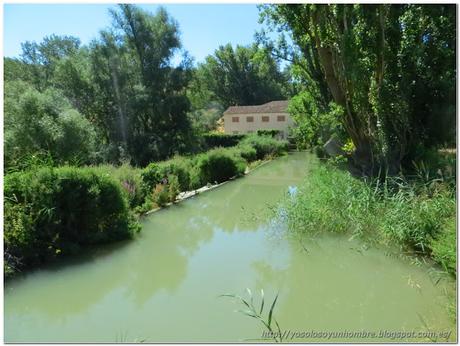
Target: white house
[[269, 116]]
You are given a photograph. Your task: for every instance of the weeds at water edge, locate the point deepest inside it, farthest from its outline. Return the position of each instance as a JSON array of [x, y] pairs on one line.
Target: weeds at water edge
[[257, 313]]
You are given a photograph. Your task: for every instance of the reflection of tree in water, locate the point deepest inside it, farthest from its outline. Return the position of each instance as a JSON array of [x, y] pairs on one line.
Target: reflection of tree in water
[[331, 286], [242, 206], [157, 260], [70, 286], [141, 267], [162, 264], [179, 231]]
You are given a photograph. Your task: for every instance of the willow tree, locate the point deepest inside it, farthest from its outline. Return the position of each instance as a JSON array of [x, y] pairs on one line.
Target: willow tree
[[378, 63]]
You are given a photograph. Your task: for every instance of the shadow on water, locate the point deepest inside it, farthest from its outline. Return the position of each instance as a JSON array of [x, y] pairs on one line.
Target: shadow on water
[[333, 283], [85, 256]]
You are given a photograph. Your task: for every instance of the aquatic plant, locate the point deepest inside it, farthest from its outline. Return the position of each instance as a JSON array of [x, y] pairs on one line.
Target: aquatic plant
[[122, 338], [417, 217], [258, 313]]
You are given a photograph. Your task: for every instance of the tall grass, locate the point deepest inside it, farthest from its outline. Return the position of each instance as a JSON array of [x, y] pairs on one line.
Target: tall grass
[[265, 317], [416, 215]]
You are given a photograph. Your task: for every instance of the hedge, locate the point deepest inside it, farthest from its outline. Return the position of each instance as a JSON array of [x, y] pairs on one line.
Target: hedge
[[265, 145], [214, 140], [51, 212], [217, 165]]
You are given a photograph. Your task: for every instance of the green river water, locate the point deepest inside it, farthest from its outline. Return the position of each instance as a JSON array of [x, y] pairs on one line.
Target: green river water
[[164, 286]]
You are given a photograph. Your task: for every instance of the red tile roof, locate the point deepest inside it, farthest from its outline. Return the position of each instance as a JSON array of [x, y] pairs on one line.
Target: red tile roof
[[270, 107]]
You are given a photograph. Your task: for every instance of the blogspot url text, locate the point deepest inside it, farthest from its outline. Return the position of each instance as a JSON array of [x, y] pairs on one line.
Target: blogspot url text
[[362, 334]]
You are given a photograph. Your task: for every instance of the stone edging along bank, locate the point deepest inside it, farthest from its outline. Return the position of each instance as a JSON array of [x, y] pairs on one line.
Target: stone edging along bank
[[187, 194]]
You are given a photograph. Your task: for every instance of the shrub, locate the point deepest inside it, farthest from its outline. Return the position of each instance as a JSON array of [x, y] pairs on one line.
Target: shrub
[[218, 165], [214, 139], [173, 187], [52, 212], [265, 145], [247, 152], [151, 176], [130, 179], [160, 195], [314, 124], [270, 133], [180, 168]]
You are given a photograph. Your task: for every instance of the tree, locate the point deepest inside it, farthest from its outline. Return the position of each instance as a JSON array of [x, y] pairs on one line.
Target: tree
[[124, 83], [37, 123], [144, 104], [242, 76], [377, 63], [319, 126], [41, 58], [15, 69]]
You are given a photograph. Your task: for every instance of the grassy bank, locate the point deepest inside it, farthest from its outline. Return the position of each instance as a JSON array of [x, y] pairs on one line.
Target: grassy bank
[[416, 214], [52, 212]]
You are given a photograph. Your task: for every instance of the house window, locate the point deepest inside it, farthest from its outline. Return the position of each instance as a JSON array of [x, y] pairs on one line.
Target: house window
[[235, 132], [281, 118], [250, 119], [235, 119], [250, 131], [265, 119]]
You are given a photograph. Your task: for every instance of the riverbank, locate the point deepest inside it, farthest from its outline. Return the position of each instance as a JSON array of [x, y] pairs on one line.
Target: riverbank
[[414, 214], [188, 194], [223, 241], [51, 212]]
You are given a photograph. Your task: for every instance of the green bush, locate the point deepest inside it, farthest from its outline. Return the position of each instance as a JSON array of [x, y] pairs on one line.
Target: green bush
[[173, 187], [51, 212], [265, 146], [314, 123], [160, 196], [130, 179], [213, 140], [247, 152], [179, 167], [217, 165], [164, 193], [271, 133], [151, 176]]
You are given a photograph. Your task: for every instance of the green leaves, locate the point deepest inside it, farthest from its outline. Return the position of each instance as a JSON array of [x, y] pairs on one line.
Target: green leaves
[[55, 211], [257, 313], [242, 76], [270, 314], [38, 122], [390, 68]]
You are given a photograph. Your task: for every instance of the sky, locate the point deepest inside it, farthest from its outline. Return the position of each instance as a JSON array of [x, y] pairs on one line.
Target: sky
[[203, 27]]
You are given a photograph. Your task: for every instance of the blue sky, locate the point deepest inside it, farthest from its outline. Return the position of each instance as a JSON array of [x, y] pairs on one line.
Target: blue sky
[[203, 26]]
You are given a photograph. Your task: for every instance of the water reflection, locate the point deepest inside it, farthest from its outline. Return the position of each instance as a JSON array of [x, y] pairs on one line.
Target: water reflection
[[164, 285], [157, 259], [326, 284]]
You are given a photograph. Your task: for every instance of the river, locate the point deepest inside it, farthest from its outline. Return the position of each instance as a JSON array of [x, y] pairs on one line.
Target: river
[[165, 284]]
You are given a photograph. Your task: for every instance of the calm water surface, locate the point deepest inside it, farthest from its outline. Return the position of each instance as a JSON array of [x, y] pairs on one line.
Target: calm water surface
[[164, 285]]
